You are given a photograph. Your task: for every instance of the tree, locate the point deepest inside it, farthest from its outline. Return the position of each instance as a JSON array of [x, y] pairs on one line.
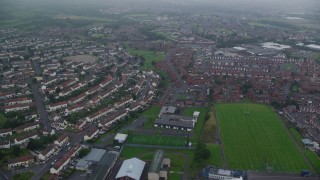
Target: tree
[[16, 150], [58, 90], [84, 152]]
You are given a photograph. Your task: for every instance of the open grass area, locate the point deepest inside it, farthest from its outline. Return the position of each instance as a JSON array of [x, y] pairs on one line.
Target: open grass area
[[2, 120], [312, 157], [201, 120], [157, 140], [177, 156], [174, 176], [150, 56], [254, 138], [150, 114], [215, 158], [23, 176]]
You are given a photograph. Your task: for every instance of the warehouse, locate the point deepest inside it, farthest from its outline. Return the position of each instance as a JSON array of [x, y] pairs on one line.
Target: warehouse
[[131, 169]]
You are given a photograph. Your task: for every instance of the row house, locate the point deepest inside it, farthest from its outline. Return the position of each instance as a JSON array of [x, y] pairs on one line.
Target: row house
[[61, 163], [25, 161], [107, 93], [80, 124], [17, 107], [95, 100], [48, 152], [123, 102], [6, 95], [77, 99], [100, 113], [5, 144], [135, 106], [91, 133], [5, 132], [63, 139], [56, 106], [27, 127], [93, 90], [106, 82], [68, 83], [49, 81], [25, 139], [113, 118], [75, 108]]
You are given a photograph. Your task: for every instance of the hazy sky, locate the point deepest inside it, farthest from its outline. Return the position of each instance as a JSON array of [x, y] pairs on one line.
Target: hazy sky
[[285, 5]]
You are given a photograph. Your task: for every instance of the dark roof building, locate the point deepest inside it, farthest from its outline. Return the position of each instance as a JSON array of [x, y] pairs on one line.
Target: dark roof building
[[173, 121]]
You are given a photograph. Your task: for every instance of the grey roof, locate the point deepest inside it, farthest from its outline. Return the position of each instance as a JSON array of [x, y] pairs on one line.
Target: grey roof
[[104, 166], [95, 155], [82, 163], [132, 168], [156, 161], [168, 109], [175, 120]]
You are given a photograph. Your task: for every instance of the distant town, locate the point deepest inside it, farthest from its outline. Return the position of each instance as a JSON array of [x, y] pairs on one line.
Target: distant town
[[140, 94]]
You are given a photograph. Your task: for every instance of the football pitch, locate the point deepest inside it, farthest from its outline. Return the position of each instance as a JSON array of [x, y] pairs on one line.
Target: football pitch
[[254, 138], [157, 140]]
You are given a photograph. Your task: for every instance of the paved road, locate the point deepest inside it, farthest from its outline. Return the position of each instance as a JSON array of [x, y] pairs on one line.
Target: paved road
[[4, 175], [41, 107], [39, 99]]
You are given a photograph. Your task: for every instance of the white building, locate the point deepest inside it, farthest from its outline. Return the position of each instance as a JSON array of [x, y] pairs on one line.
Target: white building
[[131, 169]]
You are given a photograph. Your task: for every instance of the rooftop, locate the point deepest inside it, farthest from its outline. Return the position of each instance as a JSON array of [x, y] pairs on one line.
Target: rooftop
[[132, 168], [95, 155]]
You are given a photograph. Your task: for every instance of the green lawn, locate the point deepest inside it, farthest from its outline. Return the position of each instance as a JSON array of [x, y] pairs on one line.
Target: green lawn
[[151, 114], [215, 158], [158, 140], [176, 155], [257, 139], [312, 157], [149, 56], [23, 176], [174, 176], [2, 120], [201, 120]]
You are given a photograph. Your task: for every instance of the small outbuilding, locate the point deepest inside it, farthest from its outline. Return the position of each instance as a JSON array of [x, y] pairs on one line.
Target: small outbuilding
[[120, 138]]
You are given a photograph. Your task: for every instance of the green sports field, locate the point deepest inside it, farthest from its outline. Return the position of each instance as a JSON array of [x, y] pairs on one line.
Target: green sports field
[[157, 140], [254, 138]]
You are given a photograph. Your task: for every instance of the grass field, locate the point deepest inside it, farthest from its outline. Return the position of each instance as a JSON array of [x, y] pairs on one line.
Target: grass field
[[312, 157], [23, 176], [149, 56], [157, 140], [146, 154], [257, 139], [2, 120], [150, 114], [215, 158], [201, 120]]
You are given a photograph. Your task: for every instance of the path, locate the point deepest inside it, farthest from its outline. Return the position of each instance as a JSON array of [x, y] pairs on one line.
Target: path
[[218, 136], [296, 144]]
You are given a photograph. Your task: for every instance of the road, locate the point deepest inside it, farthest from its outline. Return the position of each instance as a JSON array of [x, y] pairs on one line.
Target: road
[[41, 107], [39, 99]]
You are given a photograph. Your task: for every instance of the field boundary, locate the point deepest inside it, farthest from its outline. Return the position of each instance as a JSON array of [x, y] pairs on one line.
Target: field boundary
[[225, 164], [163, 147]]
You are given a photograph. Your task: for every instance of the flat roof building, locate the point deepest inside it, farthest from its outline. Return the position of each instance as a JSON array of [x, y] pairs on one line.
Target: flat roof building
[[120, 138], [167, 110], [104, 166], [94, 155], [173, 121]]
